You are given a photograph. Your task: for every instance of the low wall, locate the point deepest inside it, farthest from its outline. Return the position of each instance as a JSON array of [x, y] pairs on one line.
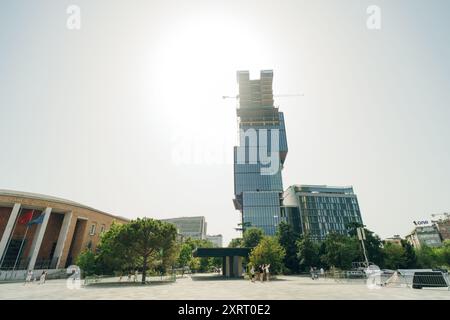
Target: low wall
[[20, 275]]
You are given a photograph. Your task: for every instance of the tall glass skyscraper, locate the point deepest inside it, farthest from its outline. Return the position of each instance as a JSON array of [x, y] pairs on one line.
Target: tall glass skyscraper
[[259, 158]]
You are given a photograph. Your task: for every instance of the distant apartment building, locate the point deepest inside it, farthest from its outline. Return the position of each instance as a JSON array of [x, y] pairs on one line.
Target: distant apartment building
[[319, 210], [190, 227], [443, 226], [217, 240], [396, 239], [425, 235]]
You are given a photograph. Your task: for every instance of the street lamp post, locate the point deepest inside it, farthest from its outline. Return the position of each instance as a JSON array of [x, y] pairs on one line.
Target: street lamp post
[[362, 237]]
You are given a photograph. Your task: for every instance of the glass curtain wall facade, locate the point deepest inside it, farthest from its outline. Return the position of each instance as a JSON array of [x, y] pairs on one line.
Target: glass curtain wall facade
[[320, 210], [190, 227], [259, 158]]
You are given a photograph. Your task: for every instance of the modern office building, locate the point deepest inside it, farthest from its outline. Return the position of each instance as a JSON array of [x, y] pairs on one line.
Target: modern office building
[[319, 210], [259, 158], [217, 240], [44, 232], [425, 235], [190, 227]]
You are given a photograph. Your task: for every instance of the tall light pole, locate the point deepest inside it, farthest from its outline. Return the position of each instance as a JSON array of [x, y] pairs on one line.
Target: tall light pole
[[362, 237]]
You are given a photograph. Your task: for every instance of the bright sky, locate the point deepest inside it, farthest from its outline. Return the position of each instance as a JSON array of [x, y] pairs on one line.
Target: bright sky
[[126, 114]]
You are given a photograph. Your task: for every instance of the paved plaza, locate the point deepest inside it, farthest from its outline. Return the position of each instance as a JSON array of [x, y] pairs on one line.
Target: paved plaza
[[212, 288]]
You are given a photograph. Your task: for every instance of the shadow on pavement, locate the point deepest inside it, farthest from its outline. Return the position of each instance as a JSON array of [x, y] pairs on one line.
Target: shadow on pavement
[[126, 284], [223, 278]]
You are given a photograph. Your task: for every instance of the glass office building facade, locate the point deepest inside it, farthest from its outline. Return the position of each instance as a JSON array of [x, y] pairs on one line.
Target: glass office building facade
[[320, 210], [190, 227], [259, 157]]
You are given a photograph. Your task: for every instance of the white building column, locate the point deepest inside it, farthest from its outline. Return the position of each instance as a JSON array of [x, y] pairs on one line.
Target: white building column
[[38, 238], [9, 228], [239, 266], [62, 237]]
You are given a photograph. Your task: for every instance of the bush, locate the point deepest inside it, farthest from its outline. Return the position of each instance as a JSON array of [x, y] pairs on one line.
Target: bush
[[86, 262]]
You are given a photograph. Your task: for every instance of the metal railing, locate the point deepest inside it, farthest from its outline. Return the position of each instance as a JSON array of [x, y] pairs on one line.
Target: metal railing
[[96, 279], [13, 264], [23, 264]]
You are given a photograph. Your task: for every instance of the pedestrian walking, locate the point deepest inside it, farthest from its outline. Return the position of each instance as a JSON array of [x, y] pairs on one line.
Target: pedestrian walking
[[252, 274], [267, 271], [311, 270], [43, 277], [28, 277], [260, 273]]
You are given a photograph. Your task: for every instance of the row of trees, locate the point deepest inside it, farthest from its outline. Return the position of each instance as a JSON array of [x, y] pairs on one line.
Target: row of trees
[[150, 245], [289, 252], [144, 245]]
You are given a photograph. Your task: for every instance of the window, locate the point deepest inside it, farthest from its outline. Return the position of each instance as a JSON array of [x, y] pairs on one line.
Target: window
[[102, 229], [92, 231]]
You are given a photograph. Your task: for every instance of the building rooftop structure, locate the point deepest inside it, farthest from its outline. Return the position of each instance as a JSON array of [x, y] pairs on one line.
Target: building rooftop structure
[[37, 196], [323, 189]]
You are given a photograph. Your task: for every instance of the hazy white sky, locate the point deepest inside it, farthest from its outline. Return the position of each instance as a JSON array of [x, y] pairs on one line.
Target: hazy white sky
[[126, 114]]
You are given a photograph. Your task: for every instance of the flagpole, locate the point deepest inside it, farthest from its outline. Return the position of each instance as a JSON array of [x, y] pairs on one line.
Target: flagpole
[[23, 240], [10, 238], [21, 246]]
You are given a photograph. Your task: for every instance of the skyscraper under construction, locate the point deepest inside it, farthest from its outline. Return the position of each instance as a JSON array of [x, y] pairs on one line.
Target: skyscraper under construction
[[259, 158]]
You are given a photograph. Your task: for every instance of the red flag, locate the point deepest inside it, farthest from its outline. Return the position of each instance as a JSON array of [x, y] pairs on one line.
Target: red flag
[[24, 219]]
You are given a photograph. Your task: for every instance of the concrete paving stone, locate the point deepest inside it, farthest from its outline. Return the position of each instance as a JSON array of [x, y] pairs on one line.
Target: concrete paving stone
[[208, 287]]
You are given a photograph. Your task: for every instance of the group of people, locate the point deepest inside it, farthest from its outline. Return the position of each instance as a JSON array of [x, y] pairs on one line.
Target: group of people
[[315, 273], [31, 278], [132, 276], [261, 273]]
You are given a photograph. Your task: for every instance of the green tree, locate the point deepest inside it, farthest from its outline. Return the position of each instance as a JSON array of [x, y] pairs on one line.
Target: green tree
[[236, 243], [203, 264], [426, 258], [394, 256], [307, 253], [185, 256], [169, 257], [341, 251], [410, 255], [252, 237], [287, 238], [445, 254], [194, 264], [268, 251], [112, 255], [372, 243], [86, 262], [146, 240], [322, 252]]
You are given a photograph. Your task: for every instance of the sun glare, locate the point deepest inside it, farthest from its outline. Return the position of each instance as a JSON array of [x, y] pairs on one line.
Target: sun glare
[[196, 63]]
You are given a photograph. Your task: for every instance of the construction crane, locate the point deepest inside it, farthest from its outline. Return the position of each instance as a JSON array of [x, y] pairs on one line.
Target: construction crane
[[275, 96]]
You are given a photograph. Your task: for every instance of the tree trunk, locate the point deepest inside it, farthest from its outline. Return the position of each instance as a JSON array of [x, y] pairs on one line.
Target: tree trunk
[[144, 270]]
